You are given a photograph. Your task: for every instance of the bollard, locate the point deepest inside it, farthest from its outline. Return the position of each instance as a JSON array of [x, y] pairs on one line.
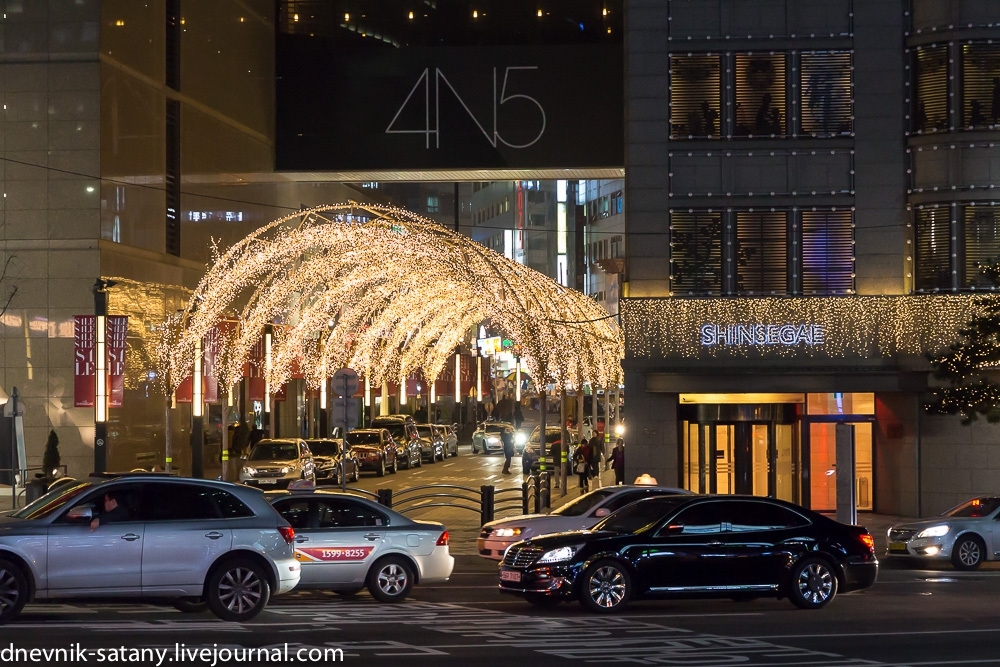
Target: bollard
[[487, 494], [538, 496], [543, 495], [524, 497], [384, 497]]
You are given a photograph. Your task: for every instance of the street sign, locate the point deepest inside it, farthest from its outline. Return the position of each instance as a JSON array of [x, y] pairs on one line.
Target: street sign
[[345, 382], [341, 404]]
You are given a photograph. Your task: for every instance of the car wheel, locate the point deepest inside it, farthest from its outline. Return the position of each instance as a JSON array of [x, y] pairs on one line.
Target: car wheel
[[13, 591], [474, 450], [433, 458], [967, 554], [605, 586], [420, 461], [238, 590], [390, 579], [381, 469], [813, 584], [190, 606], [395, 466], [540, 600], [357, 474]]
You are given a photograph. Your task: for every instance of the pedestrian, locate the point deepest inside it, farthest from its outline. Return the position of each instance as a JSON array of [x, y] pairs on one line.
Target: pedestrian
[[507, 438], [617, 461], [597, 458], [256, 435], [555, 454], [518, 416], [581, 464]]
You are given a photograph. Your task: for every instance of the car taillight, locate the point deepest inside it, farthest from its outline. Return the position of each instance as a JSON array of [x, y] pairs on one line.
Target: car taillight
[[288, 533], [443, 540], [868, 541]]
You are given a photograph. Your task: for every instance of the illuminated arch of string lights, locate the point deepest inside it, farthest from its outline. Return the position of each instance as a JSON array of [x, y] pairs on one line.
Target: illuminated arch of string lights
[[388, 293]]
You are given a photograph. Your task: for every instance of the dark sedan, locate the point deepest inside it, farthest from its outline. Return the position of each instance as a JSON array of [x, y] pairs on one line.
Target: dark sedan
[[739, 547], [327, 455]]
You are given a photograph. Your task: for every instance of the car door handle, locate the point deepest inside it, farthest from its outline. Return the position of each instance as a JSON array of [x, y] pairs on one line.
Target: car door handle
[[371, 537], [130, 537], [214, 535], [301, 538]]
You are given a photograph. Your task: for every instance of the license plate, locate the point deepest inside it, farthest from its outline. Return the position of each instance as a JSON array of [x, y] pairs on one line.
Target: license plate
[[266, 480], [897, 546], [507, 575]]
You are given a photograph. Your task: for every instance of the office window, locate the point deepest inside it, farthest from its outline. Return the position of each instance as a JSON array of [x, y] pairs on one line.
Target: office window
[[761, 253], [433, 204], [982, 243], [827, 252], [695, 96], [761, 108], [930, 111], [827, 96], [981, 86], [696, 257], [932, 265]]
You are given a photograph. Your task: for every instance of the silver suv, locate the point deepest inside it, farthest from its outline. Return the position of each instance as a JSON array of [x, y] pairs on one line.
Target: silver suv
[[195, 543]]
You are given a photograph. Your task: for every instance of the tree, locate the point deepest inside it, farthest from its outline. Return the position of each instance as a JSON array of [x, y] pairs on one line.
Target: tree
[[51, 458], [971, 365]]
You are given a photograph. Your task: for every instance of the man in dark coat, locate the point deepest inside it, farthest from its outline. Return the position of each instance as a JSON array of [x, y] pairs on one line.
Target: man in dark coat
[[507, 438], [596, 459]]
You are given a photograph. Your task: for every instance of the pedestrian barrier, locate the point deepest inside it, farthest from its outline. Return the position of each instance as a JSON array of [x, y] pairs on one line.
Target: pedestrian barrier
[[487, 500]]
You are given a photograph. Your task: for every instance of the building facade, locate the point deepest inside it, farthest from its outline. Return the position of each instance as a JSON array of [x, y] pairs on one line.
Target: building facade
[[808, 189]]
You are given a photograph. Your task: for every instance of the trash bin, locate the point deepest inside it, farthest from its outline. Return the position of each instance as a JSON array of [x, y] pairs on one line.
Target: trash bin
[[36, 489]]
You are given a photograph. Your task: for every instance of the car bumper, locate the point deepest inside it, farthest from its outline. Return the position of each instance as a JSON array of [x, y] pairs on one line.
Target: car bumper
[[370, 465], [929, 548], [494, 548], [270, 482], [556, 581], [860, 574], [436, 567], [289, 572]]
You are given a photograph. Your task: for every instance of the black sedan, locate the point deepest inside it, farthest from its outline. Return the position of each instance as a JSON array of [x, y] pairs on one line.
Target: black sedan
[[741, 547], [327, 455]]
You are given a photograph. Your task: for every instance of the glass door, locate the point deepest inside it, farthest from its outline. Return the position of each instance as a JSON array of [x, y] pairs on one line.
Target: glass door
[[823, 465]]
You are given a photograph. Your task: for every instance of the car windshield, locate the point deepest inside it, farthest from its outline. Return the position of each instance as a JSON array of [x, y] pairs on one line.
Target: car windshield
[[324, 448], [974, 508], [51, 502], [274, 451], [583, 504], [355, 438], [425, 432], [493, 428], [640, 516], [398, 432]]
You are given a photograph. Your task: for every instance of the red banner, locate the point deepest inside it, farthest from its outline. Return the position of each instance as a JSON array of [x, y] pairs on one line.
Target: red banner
[[183, 393], [211, 345], [254, 371], [84, 341], [117, 333], [282, 393]]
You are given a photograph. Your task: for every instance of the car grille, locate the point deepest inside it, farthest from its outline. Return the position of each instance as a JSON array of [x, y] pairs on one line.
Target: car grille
[[268, 472], [521, 556], [898, 535]]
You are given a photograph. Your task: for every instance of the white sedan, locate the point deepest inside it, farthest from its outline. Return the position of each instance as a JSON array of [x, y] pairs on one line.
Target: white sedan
[[966, 535], [578, 514], [344, 543]]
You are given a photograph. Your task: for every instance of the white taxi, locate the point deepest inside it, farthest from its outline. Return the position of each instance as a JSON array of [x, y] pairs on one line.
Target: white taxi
[[345, 543]]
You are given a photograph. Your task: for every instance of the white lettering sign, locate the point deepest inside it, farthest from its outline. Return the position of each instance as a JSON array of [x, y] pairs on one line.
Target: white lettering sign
[[761, 334]]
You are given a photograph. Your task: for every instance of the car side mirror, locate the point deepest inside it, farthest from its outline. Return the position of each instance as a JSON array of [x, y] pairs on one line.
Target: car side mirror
[[602, 511], [674, 529], [80, 514]]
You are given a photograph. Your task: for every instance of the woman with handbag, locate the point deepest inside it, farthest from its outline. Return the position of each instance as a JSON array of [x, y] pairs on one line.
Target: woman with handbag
[[581, 465]]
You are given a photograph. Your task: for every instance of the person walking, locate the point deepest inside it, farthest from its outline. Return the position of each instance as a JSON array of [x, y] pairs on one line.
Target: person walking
[[596, 458], [507, 438], [581, 464], [617, 461]]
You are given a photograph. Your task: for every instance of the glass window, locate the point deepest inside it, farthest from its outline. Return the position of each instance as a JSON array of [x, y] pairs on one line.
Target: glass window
[[295, 512], [752, 516], [982, 243], [695, 253], [640, 516], [760, 95], [347, 514], [695, 96], [701, 519], [230, 506], [761, 253], [932, 259], [981, 86], [931, 89], [177, 502], [826, 93], [827, 252], [841, 404]]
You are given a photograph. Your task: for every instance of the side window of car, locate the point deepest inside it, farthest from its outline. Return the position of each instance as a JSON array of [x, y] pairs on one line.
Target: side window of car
[[295, 512], [347, 514], [745, 516], [305, 450], [623, 499], [178, 502], [128, 497], [230, 506], [701, 519]]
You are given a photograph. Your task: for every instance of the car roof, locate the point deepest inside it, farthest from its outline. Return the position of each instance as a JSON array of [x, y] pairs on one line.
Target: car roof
[[290, 441]]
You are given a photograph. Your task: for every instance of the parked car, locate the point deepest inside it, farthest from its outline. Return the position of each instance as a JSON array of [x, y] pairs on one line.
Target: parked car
[[578, 514], [327, 455], [408, 453], [431, 443], [450, 439], [198, 543], [402, 428], [740, 547], [345, 543], [486, 437], [274, 463], [374, 448], [530, 451], [966, 535]]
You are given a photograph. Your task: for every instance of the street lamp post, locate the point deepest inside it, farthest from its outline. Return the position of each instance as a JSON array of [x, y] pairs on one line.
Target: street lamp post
[[197, 416], [100, 376]]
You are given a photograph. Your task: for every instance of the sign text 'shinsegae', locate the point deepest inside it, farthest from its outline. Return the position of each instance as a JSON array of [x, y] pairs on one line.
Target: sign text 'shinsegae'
[[761, 334]]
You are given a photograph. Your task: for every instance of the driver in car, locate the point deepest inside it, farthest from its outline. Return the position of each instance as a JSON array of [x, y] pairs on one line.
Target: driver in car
[[111, 512]]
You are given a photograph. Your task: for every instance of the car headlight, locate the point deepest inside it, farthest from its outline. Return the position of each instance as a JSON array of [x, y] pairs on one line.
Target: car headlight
[[247, 470], [286, 469], [507, 532], [558, 555], [520, 438], [934, 531], [492, 440]]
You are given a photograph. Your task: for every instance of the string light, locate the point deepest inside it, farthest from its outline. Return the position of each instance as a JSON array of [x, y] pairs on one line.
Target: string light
[[400, 292]]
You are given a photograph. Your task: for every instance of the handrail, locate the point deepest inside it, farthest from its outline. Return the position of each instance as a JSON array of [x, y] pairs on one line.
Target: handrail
[[428, 495], [434, 486], [404, 510]]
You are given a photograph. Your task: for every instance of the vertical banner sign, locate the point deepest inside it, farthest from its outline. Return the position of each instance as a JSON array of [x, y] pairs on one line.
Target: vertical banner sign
[[255, 372], [211, 346], [84, 332], [117, 339], [468, 376]]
